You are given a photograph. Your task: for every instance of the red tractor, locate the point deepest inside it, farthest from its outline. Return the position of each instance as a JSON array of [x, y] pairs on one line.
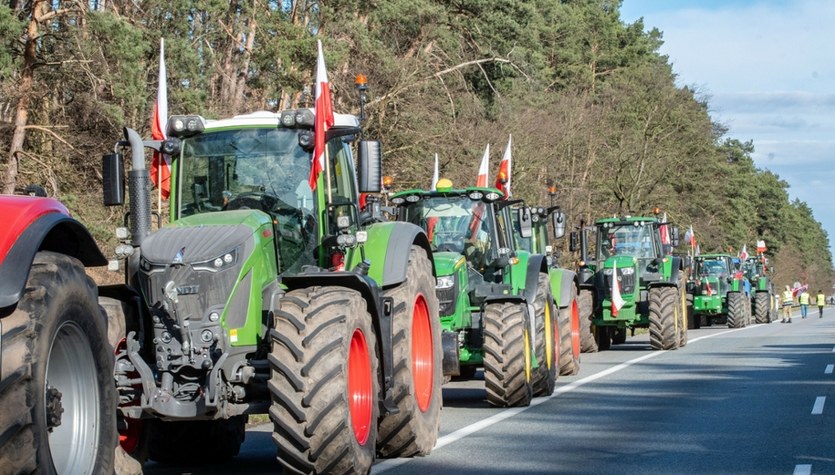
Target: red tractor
[[57, 397]]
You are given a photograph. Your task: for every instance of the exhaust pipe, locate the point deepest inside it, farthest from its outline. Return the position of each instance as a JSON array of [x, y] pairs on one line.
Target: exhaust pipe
[[139, 189]]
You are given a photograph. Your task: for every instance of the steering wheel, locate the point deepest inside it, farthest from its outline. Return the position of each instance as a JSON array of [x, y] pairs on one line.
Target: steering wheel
[[452, 244], [257, 200]]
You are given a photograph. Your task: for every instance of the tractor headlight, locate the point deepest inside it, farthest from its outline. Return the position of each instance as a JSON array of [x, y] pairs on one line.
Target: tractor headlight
[[608, 271], [445, 282], [219, 263]]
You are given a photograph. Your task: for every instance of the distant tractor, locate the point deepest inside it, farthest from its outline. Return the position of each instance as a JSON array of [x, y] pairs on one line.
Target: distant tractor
[[638, 284], [267, 295], [496, 306], [718, 292], [763, 292], [564, 283]]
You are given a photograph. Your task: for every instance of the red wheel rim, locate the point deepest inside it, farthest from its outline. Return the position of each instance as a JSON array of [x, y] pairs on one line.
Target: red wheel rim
[[360, 388], [575, 329], [422, 354]]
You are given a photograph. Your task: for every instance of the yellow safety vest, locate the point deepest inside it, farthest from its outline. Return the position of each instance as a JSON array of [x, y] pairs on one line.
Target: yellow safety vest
[[787, 297], [804, 298], [821, 300]]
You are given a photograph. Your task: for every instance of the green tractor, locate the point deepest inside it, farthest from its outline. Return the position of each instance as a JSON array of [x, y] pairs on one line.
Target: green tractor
[[638, 284], [718, 292], [531, 229], [266, 295], [496, 307], [763, 294]]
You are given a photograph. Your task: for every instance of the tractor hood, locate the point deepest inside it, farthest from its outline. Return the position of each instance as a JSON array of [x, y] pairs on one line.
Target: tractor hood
[[447, 263], [621, 261]]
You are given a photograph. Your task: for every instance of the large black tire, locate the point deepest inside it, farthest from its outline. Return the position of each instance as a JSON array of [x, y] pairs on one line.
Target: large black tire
[[322, 342], [694, 322], [663, 304], [57, 397], [195, 442], [507, 355], [547, 348], [736, 310], [618, 336], [603, 337], [762, 307], [418, 356], [569, 328], [585, 302]]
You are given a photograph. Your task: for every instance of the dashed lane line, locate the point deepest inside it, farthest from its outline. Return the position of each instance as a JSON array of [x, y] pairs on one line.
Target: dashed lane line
[[508, 413], [829, 369], [818, 407], [802, 469]]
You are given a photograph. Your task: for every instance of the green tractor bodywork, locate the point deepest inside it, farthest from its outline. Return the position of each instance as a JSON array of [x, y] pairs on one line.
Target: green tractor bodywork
[[266, 296], [763, 295], [651, 283], [718, 291], [495, 302], [534, 238]]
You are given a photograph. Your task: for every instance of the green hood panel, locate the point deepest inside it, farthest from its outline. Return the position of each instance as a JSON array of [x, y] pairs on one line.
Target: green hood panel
[[621, 261], [448, 263]]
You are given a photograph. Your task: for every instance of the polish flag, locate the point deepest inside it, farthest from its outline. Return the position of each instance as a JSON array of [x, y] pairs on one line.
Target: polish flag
[[617, 300], [435, 175], [324, 119], [483, 170], [743, 254], [503, 177], [761, 246], [161, 164], [665, 233]]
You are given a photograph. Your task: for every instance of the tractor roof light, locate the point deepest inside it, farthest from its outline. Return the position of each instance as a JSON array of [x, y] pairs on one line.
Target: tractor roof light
[[475, 195], [399, 200], [413, 198], [388, 181], [492, 196], [185, 125], [361, 82]]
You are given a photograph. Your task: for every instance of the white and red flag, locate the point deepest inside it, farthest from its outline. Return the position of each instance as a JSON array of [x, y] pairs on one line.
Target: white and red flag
[[483, 169], [503, 177], [665, 233], [324, 119], [617, 300], [161, 164], [743, 254], [435, 175], [761, 246]]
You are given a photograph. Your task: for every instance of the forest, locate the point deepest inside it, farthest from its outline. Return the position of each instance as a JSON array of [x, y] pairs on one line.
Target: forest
[[589, 100]]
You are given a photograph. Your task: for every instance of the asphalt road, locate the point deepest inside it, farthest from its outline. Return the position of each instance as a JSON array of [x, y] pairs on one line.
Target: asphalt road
[[757, 400]]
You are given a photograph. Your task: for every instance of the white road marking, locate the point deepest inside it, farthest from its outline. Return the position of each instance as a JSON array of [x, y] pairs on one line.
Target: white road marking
[[508, 413], [803, 469], [818, 407], [829, 369]]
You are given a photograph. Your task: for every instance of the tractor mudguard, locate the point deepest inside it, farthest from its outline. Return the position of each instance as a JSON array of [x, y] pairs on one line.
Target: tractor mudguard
[[562, 282], [38, 224], [387, 250], [537, 263]]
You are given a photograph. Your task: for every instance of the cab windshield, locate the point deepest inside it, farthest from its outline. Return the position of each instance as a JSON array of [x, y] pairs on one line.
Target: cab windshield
[[246, 168], [627, 240], [455, 224], [711, 267]]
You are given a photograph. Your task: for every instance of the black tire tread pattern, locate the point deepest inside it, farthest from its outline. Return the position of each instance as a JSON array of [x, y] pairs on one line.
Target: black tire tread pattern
[[585, 302], [762, 302], [505, 326], [412, 431], [543, 379], [736, 310], [662, 313], [309, 361], [57, 289]]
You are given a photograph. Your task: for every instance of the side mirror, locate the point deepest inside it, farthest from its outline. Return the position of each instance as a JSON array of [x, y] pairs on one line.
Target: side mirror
[[573, 241], [370, 177], [525, 222], [558, 223], [113, 178], [674, 239]]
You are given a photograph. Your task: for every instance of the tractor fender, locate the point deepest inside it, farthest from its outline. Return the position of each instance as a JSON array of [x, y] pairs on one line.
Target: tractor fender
[[537, 264], [562, 282], [387, 249], [38, 224]]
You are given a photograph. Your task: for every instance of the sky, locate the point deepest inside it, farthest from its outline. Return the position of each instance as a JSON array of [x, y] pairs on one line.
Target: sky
[[767, 68]]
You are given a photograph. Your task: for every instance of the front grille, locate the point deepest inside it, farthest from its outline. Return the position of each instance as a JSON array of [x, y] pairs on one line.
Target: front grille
[[627, 283], [446, 299]]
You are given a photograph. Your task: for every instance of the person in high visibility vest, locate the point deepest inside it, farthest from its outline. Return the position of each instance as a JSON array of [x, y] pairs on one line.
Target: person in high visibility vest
[[821, 302], [804, 303], [787, 305]]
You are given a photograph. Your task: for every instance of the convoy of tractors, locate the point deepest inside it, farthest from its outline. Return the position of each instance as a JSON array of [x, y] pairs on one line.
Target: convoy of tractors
[[274, 291]]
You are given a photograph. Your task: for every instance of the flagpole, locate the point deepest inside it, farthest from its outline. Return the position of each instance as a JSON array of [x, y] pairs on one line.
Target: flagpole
[[328, 174], [159, 188]]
